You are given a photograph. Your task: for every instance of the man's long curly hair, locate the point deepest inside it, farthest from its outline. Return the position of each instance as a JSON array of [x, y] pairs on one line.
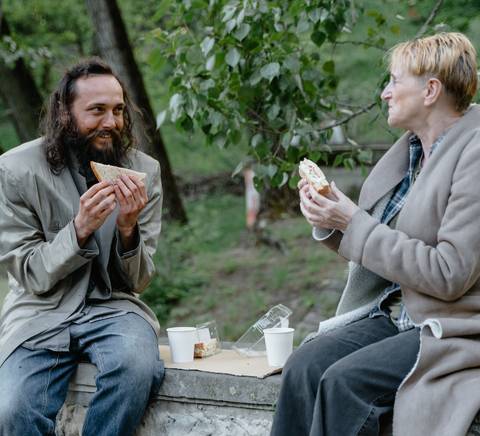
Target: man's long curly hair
[[58, 125]]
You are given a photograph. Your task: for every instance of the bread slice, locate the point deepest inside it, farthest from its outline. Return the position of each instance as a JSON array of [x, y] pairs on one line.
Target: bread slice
[[311, 172], [111, 173], [205, 349]]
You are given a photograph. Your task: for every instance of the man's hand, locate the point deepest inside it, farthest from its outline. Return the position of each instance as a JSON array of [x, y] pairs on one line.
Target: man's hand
[[131, 195], [332, 212], [96, 205]]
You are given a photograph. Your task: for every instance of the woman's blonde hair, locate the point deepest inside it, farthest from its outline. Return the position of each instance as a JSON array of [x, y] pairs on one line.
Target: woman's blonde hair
[[448, 56]]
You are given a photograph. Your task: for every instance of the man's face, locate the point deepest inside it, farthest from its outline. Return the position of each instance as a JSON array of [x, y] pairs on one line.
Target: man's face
[[98, 110]]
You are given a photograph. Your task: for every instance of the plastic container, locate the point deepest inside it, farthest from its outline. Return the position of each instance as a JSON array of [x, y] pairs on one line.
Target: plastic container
[[252, 342], [208, 342]]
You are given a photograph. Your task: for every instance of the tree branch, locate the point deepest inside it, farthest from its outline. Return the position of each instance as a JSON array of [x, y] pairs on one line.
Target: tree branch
[[430, 18], [350, 117], [422, 30]]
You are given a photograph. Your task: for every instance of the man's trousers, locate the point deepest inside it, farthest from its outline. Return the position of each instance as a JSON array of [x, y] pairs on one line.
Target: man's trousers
[[34, 383]]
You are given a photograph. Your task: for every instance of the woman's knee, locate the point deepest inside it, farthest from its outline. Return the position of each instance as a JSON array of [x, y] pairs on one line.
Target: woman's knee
[[307, 364]]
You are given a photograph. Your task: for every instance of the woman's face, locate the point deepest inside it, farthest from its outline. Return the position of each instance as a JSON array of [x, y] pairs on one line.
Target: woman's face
[[404, 95]]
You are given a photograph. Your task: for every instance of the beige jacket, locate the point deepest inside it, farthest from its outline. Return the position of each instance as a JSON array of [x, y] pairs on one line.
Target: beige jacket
[[434, 254], [48, 271]]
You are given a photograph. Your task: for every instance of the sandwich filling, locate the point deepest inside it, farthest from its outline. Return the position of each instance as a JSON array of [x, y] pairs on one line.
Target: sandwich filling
[[314, 175]]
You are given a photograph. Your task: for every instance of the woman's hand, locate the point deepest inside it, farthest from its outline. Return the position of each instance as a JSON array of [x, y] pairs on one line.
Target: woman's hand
[[333, 211]]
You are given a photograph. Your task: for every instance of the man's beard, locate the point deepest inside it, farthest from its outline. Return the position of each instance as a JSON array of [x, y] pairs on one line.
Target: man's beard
[[83, 147]]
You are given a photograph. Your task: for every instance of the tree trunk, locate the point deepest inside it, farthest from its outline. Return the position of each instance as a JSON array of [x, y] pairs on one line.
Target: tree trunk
[[114, 46], [20, 93]]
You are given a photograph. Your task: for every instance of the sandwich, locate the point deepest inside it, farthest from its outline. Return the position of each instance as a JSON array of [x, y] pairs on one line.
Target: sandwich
[[111, 173], [206, 348], [310, 171]]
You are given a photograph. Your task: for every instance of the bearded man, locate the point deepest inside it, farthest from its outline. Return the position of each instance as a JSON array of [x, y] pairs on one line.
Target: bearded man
[[77, 253]]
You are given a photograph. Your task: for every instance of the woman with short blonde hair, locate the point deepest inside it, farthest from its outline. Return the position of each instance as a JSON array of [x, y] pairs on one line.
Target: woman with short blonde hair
[[405, 338]]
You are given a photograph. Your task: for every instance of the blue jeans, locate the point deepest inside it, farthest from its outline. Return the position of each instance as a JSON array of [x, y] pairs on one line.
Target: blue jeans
[[34, 383]]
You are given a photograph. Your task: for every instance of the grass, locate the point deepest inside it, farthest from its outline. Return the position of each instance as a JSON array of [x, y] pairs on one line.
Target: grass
[[214, 269]]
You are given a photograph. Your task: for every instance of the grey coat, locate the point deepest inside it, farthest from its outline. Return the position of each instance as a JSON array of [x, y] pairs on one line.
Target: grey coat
[[434, 254], [48, 271]]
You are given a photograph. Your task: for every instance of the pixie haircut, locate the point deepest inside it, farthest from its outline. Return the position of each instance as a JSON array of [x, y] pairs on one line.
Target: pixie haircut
[[448, 56]]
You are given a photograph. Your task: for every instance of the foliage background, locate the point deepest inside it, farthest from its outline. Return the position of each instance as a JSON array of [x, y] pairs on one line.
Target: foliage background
[[213, 267]]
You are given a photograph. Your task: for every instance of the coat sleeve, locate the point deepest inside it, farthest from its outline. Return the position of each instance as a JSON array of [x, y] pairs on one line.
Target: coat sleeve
[[446, 270], [36, 264], [138, 264]]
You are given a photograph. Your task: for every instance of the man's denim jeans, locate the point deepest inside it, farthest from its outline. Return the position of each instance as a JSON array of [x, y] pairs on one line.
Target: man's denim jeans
[[34, 383]]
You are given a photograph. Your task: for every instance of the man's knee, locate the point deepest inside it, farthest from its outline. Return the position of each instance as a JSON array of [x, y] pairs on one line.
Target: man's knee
[[12, 410], [135, 370]]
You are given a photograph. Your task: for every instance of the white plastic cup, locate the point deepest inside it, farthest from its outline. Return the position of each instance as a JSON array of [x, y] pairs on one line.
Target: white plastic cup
[[182, 343], [279, 343]]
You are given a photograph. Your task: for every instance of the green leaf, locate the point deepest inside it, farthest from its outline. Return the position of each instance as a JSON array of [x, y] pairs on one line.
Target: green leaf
[[234, 136], [255, 77], [332, 29], [349, 163], [295, 142], [365, 156], [228, 12], [303, 25], [239, 168], [273, 111], [395, 29], [156, 59], [285, 141], [210, 64], [220, 140], [187, 124], [318, 38], [284, 180], [338, 160], [207, 84], [294, 179], [207, 45], [262, 150], [256, 139], [272, 170], [292, 63], [270, 71], [242, 31], [232, 58], [230, 25], [240, 17], [176, 106], [314, 156], [191, 106], [161, 118], [329, 67]]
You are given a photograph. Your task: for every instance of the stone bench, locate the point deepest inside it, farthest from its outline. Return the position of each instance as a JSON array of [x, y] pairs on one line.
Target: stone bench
[[193, 403], [189, 402]]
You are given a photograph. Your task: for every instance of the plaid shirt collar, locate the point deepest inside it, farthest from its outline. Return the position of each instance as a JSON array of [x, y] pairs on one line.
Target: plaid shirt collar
[[400, 194], [403, 322]]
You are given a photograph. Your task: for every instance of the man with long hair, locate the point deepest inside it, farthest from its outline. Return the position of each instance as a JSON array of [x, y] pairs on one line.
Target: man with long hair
[[77, 254]]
